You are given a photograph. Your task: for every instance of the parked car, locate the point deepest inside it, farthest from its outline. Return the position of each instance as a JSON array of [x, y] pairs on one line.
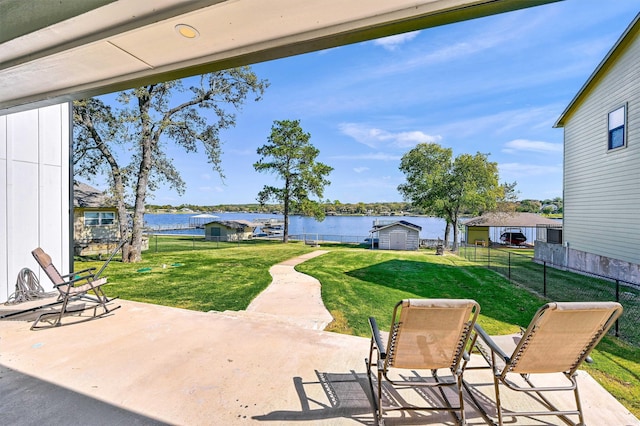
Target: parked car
[[513, 236]]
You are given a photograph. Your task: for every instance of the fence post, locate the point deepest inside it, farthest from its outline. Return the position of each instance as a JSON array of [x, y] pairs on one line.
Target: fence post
[[489, 257], [509, 271], [156, 242], [617, 300], [544, 279]]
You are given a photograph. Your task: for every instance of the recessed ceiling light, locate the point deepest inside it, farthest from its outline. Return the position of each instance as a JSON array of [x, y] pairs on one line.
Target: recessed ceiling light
[[187, 31]]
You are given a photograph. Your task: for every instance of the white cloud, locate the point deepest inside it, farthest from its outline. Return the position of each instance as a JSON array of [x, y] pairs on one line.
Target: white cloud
[[509, 171], [360, 169], [236, 151], [519, 145], [378, 156], [210, 189], [391, 42], [378, 138], [445, 51], [499, 123], [373, 183]]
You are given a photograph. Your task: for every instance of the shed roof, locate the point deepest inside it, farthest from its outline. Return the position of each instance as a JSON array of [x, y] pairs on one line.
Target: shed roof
[[204, 216], [523, 220], [89, 197], [399, 222], [601, 69], [234, 224]]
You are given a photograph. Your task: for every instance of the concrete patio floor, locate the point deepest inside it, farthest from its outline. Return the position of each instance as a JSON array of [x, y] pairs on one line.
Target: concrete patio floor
[[149, 364]]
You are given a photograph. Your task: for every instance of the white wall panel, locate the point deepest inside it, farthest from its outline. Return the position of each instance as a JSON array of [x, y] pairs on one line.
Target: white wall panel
[[22, 136], [4, 277], [50, 131], [34, 202], [50, 216], [3, 138], [22, 218]]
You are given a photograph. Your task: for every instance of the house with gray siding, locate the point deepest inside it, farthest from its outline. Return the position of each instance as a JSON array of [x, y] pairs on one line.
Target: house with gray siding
[[95, 221], [396, 235], [602, 165]]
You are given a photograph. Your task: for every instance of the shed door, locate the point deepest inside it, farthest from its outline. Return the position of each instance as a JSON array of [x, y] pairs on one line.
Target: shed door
[[397, 241]]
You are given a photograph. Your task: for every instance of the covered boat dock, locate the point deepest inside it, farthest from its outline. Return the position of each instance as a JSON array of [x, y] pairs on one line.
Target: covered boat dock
[[490, 227]]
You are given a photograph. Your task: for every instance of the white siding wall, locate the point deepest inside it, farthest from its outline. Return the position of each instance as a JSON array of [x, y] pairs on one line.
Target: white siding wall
[[412, 237], [34, 205], [601, 187]]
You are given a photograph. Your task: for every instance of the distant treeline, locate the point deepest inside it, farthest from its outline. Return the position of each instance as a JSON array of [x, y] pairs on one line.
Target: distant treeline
[[337, 208]]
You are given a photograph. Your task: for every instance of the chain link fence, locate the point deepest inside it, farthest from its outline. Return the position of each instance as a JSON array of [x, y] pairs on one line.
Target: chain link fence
[[558, 283], [177, 242]]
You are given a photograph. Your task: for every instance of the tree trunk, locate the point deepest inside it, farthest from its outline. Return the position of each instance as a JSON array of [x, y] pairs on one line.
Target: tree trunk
[[148, 141], [123, 219], [285, 235], [455, 233], [447, 228], [135, 254]]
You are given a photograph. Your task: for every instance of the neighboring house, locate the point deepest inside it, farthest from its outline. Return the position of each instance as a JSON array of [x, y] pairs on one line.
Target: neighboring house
[[229, 230], [602, 166], [396, 235], [95, 224]]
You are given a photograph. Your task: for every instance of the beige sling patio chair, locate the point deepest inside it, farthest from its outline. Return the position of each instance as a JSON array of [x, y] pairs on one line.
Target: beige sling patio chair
[[559, 338], [429, 335], [70, 287]]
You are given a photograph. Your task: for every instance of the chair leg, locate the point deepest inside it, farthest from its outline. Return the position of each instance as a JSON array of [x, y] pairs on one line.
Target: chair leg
[[65, 303], [375, 396], [102, 298], [379, 416], [496, 386], [463, 419], [578, 405]]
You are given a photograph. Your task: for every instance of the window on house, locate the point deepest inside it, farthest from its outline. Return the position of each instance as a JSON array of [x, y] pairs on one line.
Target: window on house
[[617, 128], [99, 218]]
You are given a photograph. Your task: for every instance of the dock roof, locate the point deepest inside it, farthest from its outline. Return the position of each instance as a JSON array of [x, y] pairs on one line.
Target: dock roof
[[511, 219]]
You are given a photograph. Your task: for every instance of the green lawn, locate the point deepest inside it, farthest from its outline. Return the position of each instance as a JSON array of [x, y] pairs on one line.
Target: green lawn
[[356, 284], [222, 277]]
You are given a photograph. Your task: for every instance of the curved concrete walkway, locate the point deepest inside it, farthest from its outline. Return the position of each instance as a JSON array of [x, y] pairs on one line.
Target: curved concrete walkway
[[293, 297]]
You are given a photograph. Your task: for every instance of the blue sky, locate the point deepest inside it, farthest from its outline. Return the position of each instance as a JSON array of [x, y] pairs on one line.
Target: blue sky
[[494, 85]]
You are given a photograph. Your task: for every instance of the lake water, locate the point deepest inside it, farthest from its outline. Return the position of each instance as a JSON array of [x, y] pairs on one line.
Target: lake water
[[355, 227]]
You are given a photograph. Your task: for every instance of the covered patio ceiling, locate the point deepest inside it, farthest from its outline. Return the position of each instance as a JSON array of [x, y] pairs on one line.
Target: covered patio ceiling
[[53, 51]]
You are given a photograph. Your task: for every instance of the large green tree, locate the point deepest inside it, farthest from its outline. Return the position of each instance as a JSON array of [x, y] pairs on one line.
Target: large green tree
[[445, 186], [289, 155], [130, 143]]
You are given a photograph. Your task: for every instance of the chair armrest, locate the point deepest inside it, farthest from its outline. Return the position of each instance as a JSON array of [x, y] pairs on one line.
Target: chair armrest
[[73, 281], [377, 338], [490, 343], [89, 278], [78, 272]]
